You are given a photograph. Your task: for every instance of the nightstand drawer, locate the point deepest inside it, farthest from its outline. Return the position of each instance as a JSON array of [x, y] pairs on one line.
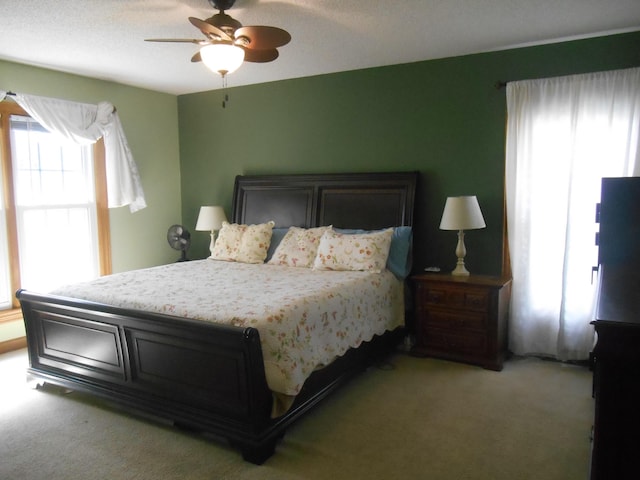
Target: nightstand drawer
[[454, 342], [456, 321], [459, 298]]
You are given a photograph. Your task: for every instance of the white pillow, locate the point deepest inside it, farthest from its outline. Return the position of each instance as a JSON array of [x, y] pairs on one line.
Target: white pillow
[[367, 251], [242, 243], [298, 247]]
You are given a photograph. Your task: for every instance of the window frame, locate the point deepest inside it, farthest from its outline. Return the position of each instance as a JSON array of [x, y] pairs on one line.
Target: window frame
[[7, 108]]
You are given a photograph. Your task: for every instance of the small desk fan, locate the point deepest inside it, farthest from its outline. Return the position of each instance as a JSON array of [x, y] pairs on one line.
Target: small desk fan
[[179, 238]]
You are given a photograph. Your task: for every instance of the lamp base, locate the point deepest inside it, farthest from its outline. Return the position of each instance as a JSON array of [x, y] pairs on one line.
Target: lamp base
[[213, 241], [460, 270], [461, 252]]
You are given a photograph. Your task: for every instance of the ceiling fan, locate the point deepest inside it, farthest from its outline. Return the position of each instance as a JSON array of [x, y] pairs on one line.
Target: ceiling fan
[[227, 43]]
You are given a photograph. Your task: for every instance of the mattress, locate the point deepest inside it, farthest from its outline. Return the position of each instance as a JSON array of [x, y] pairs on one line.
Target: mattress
[[305, 317]]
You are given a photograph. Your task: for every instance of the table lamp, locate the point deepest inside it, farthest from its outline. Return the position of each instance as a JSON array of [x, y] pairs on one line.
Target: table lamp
[[210, 219], [461, 213]]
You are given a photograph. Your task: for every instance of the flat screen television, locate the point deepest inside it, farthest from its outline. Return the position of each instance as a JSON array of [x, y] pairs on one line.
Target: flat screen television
[[619, 218]]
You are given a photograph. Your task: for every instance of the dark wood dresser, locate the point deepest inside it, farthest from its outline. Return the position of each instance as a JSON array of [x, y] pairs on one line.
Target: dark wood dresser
[[462, 318], [616, 429]]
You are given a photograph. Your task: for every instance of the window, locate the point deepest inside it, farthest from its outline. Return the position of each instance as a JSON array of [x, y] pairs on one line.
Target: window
[[54, 220]]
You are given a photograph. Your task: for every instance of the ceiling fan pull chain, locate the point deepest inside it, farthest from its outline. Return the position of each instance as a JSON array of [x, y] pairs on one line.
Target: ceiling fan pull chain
[[225, 95]]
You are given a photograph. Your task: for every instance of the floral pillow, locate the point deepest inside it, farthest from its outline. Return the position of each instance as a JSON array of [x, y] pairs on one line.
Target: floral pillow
[[400, 259], [298, 247], [243, 243], [367, 251]]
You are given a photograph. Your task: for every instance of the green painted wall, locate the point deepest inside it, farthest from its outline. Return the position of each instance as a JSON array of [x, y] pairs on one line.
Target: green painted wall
[[150, 122], [444, 118]]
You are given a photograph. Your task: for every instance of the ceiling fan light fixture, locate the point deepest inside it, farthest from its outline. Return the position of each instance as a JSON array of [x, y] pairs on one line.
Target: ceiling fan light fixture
[[222, 58]]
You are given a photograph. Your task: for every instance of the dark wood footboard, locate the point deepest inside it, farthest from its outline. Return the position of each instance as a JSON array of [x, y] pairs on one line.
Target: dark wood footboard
[[202, 376], [205, 376]]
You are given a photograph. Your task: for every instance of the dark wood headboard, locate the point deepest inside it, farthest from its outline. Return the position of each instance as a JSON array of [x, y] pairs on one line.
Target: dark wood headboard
[[345, 200]]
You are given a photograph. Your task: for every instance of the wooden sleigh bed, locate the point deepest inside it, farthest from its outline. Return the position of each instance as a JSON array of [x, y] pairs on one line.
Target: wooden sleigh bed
[[206, 376]]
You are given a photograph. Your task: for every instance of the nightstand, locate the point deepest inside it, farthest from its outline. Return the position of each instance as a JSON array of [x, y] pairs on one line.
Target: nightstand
[[462, 318]]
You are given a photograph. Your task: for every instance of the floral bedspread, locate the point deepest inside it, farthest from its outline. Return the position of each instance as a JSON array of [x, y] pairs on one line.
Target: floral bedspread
[[305, 317]]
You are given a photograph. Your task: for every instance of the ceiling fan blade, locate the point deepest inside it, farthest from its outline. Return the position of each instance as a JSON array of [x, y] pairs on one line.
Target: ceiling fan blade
[[262, 38], [260, 56], [177, 40], [209, 29], [196, 57]]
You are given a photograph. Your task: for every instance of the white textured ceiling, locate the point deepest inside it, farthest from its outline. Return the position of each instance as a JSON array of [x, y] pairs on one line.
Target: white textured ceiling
[[105, 38]]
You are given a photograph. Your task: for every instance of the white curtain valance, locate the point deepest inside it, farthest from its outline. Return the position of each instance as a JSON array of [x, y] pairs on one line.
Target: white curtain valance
[[85, 124]]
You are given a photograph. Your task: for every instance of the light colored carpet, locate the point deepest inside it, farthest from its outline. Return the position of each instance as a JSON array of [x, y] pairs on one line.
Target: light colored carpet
[[417, 418]]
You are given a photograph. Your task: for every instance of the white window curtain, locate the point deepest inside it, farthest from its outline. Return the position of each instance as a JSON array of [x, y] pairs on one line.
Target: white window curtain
[[85, 124], [563, 135]]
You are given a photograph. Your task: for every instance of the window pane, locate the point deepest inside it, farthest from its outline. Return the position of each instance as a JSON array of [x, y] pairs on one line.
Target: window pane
[[55, 247], [47, 170]]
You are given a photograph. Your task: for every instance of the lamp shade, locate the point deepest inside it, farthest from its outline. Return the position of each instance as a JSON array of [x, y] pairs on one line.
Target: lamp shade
[[210, 218], [222, 58], [462, 213]]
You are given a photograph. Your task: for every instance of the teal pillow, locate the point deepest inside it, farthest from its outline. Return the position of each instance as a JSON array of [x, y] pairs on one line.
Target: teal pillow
[[277, 235]]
